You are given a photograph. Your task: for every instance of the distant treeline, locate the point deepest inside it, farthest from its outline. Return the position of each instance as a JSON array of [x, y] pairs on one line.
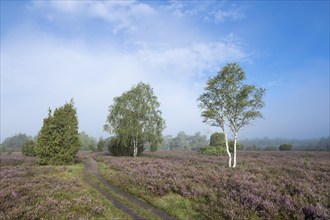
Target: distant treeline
[[15, 143], [183, 141], [318, 144]]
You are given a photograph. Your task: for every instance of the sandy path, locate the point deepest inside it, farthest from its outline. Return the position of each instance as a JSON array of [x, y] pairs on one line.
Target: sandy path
[[91, 167]]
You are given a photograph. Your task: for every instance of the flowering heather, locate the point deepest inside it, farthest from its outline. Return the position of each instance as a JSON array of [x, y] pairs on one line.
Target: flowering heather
[[29, 191], [15, 159], [265, 185]]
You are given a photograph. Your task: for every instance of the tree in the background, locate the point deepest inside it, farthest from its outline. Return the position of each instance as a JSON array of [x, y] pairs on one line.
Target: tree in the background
[[270, 148], [197, 141], [100, 144], [15, 142], [324, 144], [184, 142], [227, 100], [58, 140], [87, 142], [28, 148], [285, 147], [167, 143], [181, 142], [134, 118]]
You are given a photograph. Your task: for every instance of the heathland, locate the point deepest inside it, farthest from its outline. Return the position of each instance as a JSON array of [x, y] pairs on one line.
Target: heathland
[[182, 184]]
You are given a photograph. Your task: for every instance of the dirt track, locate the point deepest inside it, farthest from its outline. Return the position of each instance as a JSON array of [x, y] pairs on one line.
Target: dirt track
[[91, 168]]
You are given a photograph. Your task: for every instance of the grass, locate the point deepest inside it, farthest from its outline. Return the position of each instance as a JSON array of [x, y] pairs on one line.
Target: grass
[[176, 205], [29, 191], [136, 208], [173, 204]]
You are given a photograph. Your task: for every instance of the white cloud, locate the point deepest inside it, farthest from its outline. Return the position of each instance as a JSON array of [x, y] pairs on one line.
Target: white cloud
[[122, 15], [46, 68], [217, 12], [192, 60], [67, 6], [222, 15], [48, 72], [179, 9]]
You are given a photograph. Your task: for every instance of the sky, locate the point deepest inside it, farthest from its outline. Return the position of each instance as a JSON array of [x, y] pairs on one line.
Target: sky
[[93, 51]]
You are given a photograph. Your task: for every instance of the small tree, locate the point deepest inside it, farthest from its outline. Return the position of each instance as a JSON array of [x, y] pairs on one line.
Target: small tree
[[217, 139], [228, 101], [58, 140], [197, 141], [217, 145], [285, 147], [87, 142], [135, 119], [181, 141], [28, 148], [100, 145]]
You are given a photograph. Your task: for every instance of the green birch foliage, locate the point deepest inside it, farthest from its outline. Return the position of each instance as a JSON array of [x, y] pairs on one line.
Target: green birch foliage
[[229, 101], [135, 119], [58, 140]]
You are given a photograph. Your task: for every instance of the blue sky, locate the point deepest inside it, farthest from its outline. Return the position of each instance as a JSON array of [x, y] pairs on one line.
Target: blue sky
[[93, 51]]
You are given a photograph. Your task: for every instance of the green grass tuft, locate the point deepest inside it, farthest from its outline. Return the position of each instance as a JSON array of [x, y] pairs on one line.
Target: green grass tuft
[[176, 205]]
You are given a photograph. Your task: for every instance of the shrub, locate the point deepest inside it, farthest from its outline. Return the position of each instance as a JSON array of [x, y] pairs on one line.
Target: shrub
[[119, 147], [28, 148], [100, 145], [213, 151], [285, 147], [217, 139], [231, 146]]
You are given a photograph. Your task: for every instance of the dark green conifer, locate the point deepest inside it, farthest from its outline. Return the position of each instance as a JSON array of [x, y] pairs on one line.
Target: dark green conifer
[[58, 140]]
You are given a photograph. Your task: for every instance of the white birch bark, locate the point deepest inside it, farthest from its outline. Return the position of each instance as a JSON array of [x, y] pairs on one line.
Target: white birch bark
[[235, 141], [135, 148], [227, 148]]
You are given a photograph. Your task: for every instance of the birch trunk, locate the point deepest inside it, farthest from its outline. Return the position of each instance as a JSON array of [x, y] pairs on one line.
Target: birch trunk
[[227, 148], [135, 148], [235, 141]]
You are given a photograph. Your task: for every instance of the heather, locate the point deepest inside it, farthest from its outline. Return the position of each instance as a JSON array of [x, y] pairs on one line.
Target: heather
[[29, 191], [264, 185]]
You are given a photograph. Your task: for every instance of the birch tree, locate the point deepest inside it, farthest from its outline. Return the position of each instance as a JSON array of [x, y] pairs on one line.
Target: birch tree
[[135, 117], [230, 103]]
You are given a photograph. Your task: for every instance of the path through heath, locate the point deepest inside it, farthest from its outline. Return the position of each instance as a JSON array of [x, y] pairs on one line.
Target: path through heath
[[116, 196]]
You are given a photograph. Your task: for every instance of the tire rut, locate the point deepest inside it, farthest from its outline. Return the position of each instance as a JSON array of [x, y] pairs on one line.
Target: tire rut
[[91, 167]]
